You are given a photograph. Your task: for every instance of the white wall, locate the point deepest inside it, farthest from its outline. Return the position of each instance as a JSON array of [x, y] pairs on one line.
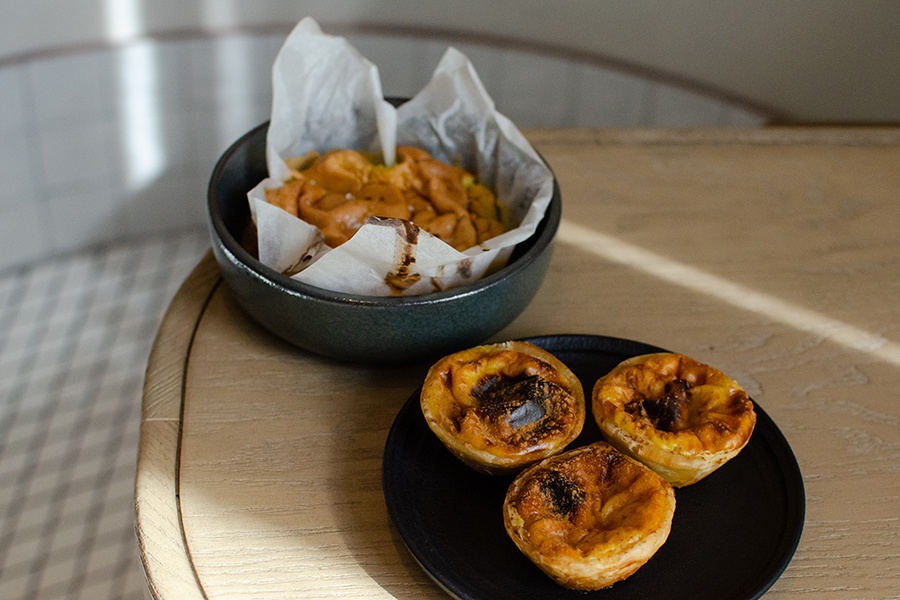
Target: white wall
[[808, 60], [107, 143], [113, 112]]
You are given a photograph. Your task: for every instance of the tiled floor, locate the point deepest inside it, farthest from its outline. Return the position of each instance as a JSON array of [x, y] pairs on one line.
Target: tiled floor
[[76, 334], [109, 145]]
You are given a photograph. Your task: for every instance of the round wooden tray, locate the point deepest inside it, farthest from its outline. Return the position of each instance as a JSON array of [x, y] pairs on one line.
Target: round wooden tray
[[770, 254]]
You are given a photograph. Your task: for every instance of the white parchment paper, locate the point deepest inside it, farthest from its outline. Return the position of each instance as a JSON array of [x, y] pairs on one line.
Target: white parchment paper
[[325, 96]]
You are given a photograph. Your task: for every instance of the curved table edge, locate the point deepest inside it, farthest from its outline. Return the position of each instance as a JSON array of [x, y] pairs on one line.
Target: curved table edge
[[164, 555]]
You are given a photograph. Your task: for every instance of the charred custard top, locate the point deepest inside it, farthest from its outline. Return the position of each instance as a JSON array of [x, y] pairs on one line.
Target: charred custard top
[[504, 399], [591, 500], [676, 401]]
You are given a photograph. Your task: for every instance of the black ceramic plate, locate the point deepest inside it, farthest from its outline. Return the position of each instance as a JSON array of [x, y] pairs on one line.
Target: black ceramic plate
[[732, 536]]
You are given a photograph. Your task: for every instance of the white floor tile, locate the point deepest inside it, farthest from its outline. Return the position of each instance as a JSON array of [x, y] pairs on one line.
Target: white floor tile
[[15, 584], [70, 426], [59, 577]]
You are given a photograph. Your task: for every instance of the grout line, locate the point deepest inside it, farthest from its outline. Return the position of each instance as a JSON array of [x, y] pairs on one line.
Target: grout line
[[15, 400], [74, 446], [59, 523]]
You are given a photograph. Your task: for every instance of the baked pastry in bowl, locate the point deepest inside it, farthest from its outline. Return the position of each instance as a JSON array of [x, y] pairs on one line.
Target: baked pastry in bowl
[[589, 517], [680, 417], [501, 407], [351, 327]]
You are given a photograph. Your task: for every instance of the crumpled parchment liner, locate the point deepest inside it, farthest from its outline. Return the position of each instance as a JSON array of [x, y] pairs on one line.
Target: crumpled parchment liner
[[325, 96]]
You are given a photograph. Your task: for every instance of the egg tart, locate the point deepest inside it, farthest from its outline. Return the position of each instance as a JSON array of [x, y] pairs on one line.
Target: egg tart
[[501, 407], [680, 417], [589, 517]]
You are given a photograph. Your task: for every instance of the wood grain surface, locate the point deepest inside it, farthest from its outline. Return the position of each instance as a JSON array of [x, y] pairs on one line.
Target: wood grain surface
[[773, 254]]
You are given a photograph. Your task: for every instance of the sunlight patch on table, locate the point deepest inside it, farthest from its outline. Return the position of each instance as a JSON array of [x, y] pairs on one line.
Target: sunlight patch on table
[[692, 278]]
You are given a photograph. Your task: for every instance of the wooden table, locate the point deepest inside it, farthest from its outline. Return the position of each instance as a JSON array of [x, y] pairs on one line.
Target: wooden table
[[772, 254]]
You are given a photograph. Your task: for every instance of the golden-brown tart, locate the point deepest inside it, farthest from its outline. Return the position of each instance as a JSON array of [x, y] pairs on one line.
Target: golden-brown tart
[[680, 417], [501, 407], [589, 517]]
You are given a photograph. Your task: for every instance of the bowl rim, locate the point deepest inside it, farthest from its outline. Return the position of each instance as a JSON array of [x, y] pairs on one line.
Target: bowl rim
[[548, 227]]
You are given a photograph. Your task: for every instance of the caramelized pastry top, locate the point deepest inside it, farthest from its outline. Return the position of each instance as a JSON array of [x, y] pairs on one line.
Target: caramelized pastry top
[[677, 403], [339, 190], [590, 501], [507, 400]]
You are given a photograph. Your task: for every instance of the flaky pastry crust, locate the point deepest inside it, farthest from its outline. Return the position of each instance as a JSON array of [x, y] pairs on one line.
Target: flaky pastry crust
[[589, 517], [680, 417], [501, 407]]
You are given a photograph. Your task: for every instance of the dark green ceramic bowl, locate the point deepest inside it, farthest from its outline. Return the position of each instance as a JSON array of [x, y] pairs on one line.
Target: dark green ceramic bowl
[[363, 329]]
